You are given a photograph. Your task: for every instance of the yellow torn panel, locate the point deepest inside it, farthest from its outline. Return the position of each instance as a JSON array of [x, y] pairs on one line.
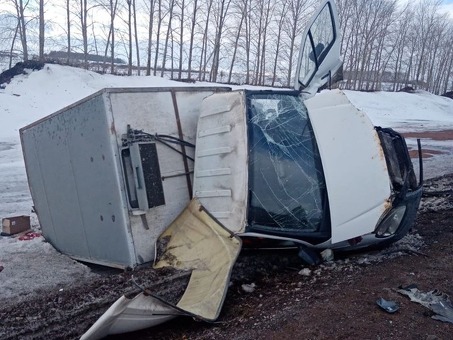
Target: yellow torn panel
[[196, 241]]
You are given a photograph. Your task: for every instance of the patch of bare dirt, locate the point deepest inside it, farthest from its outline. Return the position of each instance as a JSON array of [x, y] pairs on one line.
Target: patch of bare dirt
[[336, 300], [434, 135], [426, 153], [443, 135]]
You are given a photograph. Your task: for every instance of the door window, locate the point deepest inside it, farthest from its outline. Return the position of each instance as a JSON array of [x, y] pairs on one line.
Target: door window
[[318, 42]]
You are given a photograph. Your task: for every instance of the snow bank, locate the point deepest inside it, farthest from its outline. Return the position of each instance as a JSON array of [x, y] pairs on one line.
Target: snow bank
[[34, 265], [420, 111]]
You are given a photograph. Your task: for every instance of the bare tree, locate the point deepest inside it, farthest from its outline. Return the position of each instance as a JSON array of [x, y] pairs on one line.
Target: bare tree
[[204, 47], [68, 23], [12, 45], [192, 36], [266, 6], [241, 14], [150, 35], [282, 14], [113, 7], [181, 37], [129, 26], [159, 25], [220, 15], [20, 10], [137, 48], [297, 10], [83, 15], [41, 30], [171, 6]]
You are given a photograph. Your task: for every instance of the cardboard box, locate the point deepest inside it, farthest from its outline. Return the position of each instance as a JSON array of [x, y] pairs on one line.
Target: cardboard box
[[16, 224]]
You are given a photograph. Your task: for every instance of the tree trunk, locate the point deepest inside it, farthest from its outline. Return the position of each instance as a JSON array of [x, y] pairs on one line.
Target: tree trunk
[[167, 37], [277, 48], [68, 17], [137, 50], [129, 26], [233, 59], [222, 14], [83, 24], [150, 36], [159, 25], [192, 35], [41, 30], [204, 47], [12, 45], [181, 38], [22, 27]]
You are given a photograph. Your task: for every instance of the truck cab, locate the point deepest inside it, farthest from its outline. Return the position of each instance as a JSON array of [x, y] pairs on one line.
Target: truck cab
[[307, 169]]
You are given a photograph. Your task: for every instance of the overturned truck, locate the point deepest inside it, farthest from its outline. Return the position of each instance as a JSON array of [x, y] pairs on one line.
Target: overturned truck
[[181, 176]]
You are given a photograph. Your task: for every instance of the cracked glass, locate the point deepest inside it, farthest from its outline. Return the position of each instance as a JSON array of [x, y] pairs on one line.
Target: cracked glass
[[287, 191]]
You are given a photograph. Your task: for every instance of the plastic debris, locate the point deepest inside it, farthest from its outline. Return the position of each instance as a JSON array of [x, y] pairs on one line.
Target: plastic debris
[[387, 305], [435, 300]]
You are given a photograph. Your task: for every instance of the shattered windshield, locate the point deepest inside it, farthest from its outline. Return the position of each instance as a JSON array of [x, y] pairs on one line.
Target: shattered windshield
[[287, 191]]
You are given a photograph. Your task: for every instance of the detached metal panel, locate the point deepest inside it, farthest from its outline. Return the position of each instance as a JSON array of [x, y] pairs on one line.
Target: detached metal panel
[[80, 176]]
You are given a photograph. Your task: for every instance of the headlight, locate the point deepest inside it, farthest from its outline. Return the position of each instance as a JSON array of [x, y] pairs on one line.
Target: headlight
[[391, 222]]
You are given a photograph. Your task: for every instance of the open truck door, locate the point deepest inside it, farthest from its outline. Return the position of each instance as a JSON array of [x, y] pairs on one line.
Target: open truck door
[[319, 57]]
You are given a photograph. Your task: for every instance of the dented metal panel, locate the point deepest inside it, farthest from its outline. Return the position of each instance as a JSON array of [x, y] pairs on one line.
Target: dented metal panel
[[194, 242], [128, 315], [356, 173], [197, 242]]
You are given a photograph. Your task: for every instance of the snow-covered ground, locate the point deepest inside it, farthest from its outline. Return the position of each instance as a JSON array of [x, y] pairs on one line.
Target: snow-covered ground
[[413, 112], [33, 265], [421, 111]]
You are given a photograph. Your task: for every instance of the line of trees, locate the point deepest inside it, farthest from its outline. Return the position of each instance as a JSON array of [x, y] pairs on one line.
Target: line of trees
[[385, 45]]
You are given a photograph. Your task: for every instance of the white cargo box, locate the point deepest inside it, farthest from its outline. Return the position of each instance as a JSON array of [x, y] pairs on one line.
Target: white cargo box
[[103, 190]]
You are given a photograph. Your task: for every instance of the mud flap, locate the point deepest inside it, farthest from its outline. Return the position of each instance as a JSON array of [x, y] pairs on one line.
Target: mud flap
[[194, 241]]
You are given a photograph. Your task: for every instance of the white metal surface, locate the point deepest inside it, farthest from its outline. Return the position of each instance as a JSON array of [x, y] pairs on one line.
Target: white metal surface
[[354, 165], [128, 315], [221, 172]]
